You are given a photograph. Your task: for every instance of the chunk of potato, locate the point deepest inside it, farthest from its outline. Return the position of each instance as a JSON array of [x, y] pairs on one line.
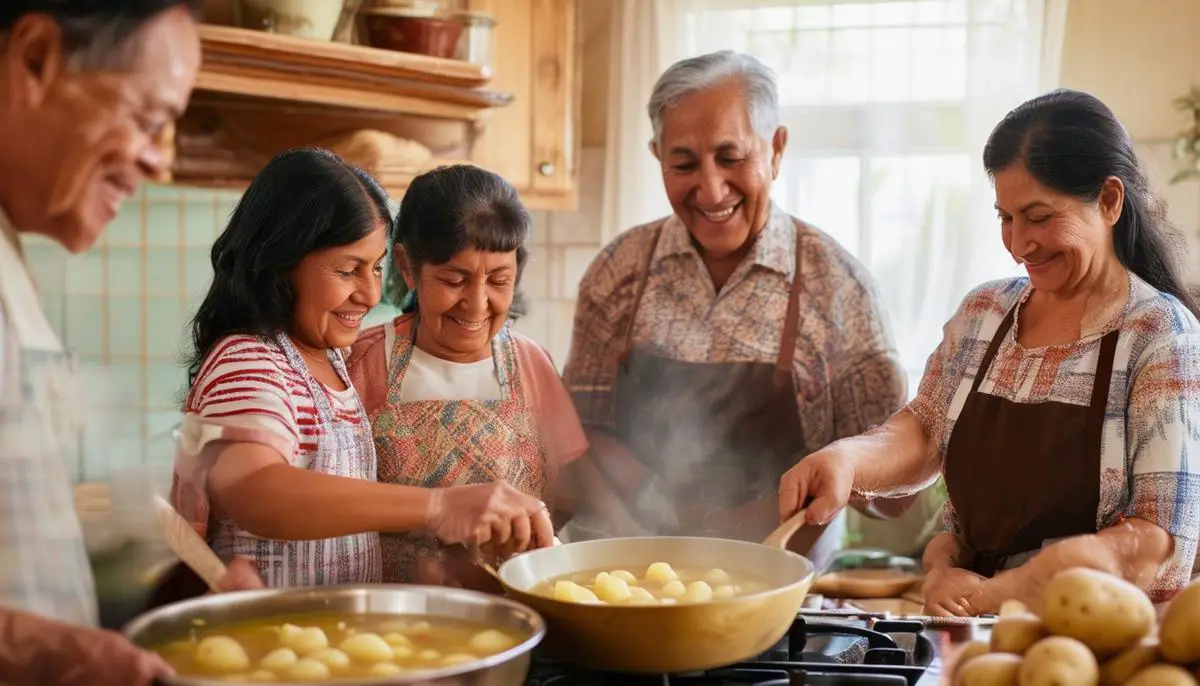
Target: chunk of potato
[[1179, 633], [667, 601], [641, 595], [993, 669], [1015, 633], [490, 642], [303, 640], [1058, 661], [396, 639], [674, 589], [1121, 667], [1162, 675], [661, 572], [717, 577], [611, 589], [429, 655], [698, 592], [367, 647], [263, 675], [625, 576], [458, 659], [419, 628], [332, 658], [308, 669], [571, 592], [279, 659], [1106, 613], [221, 655]]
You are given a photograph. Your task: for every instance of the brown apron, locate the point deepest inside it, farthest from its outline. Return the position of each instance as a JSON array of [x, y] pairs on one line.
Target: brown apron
[[1020, 475], [715, 438]]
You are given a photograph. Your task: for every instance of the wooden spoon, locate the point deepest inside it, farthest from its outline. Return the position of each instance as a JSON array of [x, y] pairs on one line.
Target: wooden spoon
[[187, 544]]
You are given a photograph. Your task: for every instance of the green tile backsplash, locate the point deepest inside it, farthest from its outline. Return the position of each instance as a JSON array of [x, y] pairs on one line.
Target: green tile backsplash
[[123, 307]]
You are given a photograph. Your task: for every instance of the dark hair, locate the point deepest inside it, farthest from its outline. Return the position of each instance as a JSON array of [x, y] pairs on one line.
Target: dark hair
[[94, 31], [452, 208], [1072, 142], [303, 200]]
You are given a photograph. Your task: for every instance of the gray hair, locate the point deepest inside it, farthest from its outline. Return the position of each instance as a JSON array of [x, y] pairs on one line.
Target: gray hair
[[95, 35], [695, 74]]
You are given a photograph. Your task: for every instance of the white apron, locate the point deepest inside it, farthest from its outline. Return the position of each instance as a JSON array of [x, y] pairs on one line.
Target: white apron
[[44, 566]]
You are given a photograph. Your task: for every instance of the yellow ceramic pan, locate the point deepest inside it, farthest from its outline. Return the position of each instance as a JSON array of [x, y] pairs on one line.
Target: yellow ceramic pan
[[667, 638]]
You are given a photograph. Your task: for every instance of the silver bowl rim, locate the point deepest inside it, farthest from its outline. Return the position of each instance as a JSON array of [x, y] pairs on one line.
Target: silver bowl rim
[[809, 577], [186, 607]]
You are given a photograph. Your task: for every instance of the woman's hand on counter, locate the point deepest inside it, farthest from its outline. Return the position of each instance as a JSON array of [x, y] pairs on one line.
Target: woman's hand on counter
[[953, 592]]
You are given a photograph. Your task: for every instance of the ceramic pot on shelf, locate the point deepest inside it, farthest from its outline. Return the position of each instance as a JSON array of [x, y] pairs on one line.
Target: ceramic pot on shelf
[[303, 18]]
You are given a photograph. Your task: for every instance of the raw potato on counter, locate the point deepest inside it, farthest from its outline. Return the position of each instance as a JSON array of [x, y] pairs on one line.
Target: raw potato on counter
[[1095, 629]]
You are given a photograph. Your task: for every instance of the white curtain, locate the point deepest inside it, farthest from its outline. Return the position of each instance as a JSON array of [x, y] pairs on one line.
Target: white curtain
[[888, 104]]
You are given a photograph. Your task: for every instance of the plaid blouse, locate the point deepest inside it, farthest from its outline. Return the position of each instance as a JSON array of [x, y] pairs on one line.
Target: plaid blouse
[[44, 566], [847, 374], [1152, 422]]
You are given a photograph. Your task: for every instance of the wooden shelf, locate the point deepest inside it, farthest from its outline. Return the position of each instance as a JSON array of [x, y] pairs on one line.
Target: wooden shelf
[[258, 64], [395, 183]]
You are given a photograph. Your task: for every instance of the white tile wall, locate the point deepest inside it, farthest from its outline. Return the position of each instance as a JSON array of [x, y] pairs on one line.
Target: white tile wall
[[564, 244], [1183, 199]]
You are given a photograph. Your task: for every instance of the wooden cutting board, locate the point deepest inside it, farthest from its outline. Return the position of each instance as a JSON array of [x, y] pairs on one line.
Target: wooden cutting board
[[866, 583]]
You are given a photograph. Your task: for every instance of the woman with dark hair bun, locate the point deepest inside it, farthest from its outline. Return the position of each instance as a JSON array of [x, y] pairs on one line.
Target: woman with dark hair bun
[[276, 460], [454, 395], [1063, 409]]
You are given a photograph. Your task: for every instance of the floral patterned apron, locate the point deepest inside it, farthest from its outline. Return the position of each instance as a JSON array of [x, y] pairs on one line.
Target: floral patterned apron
[[436, 443], [345, 449]]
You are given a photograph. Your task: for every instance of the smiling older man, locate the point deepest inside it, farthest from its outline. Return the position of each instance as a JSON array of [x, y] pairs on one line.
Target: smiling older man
[[86, 88], [714, 347]]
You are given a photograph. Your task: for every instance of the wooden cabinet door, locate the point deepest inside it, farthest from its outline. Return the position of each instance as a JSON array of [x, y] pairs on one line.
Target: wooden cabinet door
[[534, 142]]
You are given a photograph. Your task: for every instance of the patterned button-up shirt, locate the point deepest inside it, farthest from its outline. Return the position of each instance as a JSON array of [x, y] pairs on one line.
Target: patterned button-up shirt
[[847, 375], [1152, 422]]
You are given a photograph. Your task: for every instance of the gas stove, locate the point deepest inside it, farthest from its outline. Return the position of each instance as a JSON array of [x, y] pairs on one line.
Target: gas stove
[[817, 651]]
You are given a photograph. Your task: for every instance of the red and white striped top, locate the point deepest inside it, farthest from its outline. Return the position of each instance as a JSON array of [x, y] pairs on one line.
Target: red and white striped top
[[249, 383]]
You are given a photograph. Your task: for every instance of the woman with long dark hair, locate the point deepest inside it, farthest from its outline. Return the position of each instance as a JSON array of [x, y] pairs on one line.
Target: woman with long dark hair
[[455, 395], [1062, 409], [276, 458]]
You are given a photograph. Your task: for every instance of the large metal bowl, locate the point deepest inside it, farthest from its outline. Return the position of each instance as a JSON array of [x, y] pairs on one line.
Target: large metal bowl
[[509, 668]]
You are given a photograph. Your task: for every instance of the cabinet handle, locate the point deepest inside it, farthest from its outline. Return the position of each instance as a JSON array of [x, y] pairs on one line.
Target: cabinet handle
[[546, 169]]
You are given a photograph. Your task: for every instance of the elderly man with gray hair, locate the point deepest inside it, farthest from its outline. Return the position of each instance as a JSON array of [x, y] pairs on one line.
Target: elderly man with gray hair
[[715, 347]]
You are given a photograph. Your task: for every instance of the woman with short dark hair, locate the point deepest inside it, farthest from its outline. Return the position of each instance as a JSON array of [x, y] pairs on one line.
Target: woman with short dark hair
[[455, 396], [1063, 409], [276, 459]]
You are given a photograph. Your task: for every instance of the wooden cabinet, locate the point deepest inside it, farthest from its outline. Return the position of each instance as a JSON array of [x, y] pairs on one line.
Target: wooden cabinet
[[395, 114], [534, 141]]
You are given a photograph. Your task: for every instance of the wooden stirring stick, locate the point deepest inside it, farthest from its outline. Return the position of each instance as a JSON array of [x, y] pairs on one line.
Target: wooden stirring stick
[[187, 544]]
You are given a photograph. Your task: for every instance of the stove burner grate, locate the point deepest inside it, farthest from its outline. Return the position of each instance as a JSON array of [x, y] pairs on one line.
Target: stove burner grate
[[845, 653]]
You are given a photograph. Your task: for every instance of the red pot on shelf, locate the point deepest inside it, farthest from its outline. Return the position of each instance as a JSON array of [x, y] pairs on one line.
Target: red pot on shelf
[[409, 30]]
